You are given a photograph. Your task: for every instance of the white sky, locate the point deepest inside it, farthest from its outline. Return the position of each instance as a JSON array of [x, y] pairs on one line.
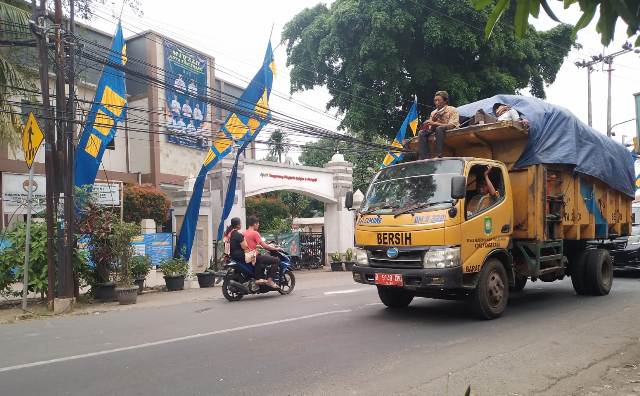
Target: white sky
[[236, 32]]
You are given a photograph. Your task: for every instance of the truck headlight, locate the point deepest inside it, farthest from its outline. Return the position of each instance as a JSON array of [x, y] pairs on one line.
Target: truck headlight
[[361, 258], [442, 258], [633, 240]]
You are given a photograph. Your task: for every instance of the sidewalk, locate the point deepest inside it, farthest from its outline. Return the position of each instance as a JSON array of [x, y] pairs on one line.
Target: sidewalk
[[155, 296]]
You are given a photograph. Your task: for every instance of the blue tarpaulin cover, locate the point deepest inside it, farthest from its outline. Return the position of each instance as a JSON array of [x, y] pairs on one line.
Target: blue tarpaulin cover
[[556, 136]]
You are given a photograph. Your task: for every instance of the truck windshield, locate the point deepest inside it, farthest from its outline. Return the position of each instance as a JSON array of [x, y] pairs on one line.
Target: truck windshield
[[417, 184]]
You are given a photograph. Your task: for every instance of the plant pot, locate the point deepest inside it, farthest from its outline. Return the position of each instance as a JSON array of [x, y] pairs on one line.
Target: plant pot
[[105, 291], [140, 283], [348, 265], [336, 266], [206, 279], [174, 283], [127, 295]]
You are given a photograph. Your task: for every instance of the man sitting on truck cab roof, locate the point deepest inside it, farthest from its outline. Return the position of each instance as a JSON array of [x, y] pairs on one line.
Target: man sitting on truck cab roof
[[486, 195], [443, 118]]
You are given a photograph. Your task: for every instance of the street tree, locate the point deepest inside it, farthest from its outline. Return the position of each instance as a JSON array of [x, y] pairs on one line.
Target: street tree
[[15, 78], [609, 14], [278, 145], [373, 56]]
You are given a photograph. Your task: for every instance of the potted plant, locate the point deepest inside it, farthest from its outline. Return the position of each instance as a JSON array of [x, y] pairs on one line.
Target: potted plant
[[336, 261], [140, 267], [348, 260], [123, 234], [174, 270], [206, 278]]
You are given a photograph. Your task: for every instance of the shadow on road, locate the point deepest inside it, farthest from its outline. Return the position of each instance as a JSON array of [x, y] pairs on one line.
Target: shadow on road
[[530, 303]]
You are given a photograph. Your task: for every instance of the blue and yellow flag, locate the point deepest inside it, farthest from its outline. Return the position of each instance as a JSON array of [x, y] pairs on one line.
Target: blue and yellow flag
[[109, 107], [241, 127], [394, 156]]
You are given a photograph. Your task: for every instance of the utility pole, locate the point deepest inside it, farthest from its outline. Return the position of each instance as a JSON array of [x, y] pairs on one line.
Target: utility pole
[[65, 272], [39, 29], [608, 60], [69, 193], [589, 67]]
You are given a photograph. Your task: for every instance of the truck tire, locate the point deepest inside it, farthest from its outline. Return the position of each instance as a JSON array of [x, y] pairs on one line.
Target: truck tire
[[598, 275], [578, 271], [520, 282], [394, 297], [490, 297]]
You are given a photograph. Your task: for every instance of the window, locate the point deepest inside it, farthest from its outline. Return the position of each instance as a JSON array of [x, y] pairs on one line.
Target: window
[[482, 195]]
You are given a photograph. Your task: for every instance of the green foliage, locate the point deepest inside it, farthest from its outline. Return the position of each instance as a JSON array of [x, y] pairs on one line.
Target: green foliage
[[14, 77], [174, 266], [610, 12], [140, 266], [365, 162], [373, 56], [97, 223], [278, 145], [348, 255], [12, 260], [120, 242], [268, 209], [145, 202], [335, 257]]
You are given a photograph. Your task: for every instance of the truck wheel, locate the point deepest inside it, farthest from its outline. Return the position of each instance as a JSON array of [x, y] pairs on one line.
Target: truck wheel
[[598, 272], [490, 297], [520, 282], [578, 270], [394, 297]]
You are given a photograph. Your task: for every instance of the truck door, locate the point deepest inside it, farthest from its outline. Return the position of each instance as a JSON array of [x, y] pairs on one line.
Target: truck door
[[488, 214]]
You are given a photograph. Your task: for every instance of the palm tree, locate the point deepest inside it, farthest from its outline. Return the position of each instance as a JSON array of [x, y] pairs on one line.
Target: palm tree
[[278, 145], [14, 77]]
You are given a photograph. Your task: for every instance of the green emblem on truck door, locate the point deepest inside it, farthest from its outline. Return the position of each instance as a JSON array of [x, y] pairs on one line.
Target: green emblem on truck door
[[488, 226]]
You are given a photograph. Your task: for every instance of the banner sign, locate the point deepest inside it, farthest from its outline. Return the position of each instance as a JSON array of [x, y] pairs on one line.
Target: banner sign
[[158, 246], [185, 113]]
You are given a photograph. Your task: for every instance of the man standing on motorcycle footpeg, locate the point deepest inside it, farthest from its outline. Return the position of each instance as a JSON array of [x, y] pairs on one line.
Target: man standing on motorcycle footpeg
[[263, 262]]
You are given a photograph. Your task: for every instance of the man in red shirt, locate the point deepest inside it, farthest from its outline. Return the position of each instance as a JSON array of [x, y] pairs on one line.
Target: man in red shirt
[[263, 261]]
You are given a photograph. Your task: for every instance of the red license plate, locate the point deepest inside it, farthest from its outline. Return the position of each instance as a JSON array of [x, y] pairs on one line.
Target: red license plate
[[388, 279]]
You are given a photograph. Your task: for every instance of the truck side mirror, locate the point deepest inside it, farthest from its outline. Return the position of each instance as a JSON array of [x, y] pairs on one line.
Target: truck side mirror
[[458, 187], [348, 200]]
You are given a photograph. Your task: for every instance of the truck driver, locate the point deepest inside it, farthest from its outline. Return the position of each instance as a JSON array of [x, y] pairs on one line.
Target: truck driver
[[486, 195]]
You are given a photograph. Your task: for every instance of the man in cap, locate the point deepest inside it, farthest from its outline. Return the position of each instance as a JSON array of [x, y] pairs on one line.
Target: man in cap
[[443, 118]]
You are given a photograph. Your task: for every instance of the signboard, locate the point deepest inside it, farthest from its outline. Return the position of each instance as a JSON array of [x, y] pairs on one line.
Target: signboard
[[107, 194], [32, 138], [138, 245], [186, 82], [158, 246], [15, 188]]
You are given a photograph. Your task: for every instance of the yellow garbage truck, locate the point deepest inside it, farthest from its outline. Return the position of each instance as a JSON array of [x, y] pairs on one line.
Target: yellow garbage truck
[[506, 204]]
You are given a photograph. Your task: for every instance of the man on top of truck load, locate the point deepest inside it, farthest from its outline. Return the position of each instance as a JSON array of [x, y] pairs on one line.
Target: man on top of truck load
[[486, 195], [443, 118], [502, 111]]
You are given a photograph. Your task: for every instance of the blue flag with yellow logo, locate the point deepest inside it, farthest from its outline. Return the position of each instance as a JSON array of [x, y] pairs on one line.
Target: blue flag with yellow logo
[[411, 121], [109, 107], [251, 113]]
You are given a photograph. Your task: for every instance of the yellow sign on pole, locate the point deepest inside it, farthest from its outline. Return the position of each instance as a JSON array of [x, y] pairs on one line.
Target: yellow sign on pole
[[32, 138]]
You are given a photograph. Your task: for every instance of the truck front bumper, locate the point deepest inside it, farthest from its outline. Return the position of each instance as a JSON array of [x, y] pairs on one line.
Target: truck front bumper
[[419, 280]]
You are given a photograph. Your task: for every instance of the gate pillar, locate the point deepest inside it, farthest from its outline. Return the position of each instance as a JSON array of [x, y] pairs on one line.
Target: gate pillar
[[338, 221]]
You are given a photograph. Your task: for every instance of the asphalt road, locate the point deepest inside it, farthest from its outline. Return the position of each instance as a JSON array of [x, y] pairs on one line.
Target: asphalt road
[[330, 336]]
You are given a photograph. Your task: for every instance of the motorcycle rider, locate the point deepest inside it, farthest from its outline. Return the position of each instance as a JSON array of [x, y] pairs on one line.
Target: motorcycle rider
[[263, 261]]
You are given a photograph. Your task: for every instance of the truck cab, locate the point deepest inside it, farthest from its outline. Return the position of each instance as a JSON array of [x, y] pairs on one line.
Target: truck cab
[[416, 231]]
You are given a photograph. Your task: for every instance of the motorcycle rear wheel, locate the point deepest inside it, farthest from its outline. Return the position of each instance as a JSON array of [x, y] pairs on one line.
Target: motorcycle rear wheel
[[287, 282], [229, 292]]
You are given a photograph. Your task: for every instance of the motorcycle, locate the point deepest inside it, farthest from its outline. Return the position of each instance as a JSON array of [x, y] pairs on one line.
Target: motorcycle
[[239, 279]]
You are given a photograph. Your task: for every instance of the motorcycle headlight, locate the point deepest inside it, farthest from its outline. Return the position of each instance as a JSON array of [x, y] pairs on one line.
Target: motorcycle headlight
[[442, 258], [361, 258]]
